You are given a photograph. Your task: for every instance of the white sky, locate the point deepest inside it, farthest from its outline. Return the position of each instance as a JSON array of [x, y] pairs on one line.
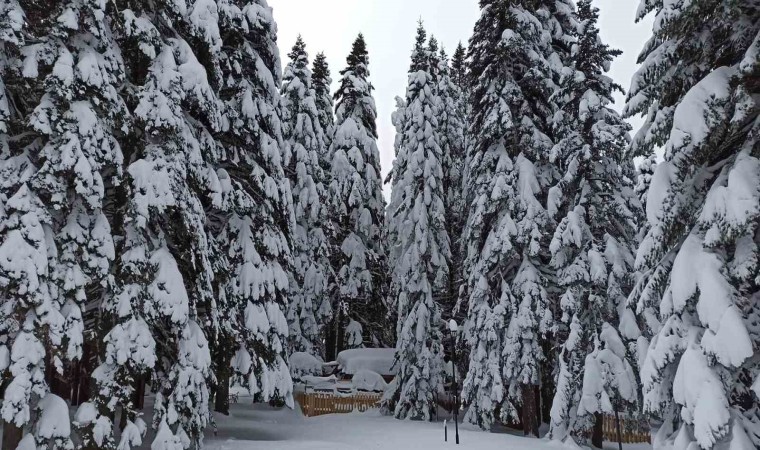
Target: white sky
[[389, 28]]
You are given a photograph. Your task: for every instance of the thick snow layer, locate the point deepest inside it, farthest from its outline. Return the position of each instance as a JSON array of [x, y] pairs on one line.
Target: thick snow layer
[[254, 427], [302, 363], [367, 380], [378, 360], [54, 418], [320, 383]]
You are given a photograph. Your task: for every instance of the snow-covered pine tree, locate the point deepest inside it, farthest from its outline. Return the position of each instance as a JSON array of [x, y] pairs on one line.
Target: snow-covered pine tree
[[357, 207], [11, 42], [451, 130], [162, 290], [418, 241], [516, 53], [459, 68], [26, 259], [594, 243], [322, 82], [309, 307], [698, 88], [62, 164], [252, 208]]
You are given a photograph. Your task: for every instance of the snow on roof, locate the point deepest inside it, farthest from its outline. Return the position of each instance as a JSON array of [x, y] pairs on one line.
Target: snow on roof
[[378, 360], [302, 364], [367, 380]]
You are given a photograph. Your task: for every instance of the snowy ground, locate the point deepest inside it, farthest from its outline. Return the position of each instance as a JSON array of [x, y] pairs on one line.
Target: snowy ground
[[258, 427]]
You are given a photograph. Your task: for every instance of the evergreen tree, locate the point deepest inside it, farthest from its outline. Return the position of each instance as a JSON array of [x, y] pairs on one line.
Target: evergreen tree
[[59, 158], [251, 209], [309, 308], [513, 71], [593, 244], [358, 206], [162, 289], [322, 82], [452, 124], [698, 88], [419, 241], [459, 68]]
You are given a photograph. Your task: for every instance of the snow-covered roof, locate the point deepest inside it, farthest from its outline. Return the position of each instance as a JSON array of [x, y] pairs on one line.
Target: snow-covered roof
[[302, 364], [367, 380], [378, 360]]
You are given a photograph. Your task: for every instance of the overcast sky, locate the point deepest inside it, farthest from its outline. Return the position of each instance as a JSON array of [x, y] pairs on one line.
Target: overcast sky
[[389, 28]]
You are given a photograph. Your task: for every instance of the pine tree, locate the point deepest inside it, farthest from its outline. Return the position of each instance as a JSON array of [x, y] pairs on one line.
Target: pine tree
[[25, 237], [322, 82], [358, 206], [452, 124], [513, 73], [58, 169], [419, 241], [309, 308], [698, 88], [162, 290], [459, 68], [252, 210], [593, 245]]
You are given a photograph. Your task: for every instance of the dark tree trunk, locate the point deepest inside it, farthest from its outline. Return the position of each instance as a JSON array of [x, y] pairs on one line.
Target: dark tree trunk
[[11, 436], [138, 397], [547, 391], [138, 401], [58, 383], [529, 410], [222, 396], [340, 335], [81, 390], [597, 437], [330, 341], [335, 336], [619, 432]]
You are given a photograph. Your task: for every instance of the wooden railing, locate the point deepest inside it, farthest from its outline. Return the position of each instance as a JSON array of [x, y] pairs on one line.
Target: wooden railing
[[318, 404], [631, 431]]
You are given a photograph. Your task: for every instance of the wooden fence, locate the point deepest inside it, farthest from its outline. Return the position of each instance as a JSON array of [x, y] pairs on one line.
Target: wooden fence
[[631, 431], [317, 404]]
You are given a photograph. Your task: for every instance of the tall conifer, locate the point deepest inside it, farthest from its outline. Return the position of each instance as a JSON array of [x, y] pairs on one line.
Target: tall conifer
[[593, 244], [357, 208], [419, 240], [309, 305], [697, 87], [516, 55]]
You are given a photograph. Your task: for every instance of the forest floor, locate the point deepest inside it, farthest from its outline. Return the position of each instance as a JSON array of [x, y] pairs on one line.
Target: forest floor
[[251, 427]]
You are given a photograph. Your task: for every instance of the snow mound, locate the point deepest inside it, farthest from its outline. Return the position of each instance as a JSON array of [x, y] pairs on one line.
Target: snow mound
[[367, 380], [303, 364], [321, 383], [378, 360]]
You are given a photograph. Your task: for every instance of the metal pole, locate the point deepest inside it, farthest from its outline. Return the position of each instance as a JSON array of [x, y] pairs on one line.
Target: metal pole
[[619, 434], [454, 381]]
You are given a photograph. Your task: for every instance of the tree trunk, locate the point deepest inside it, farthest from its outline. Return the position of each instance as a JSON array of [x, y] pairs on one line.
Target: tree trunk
[[548, 389], [597, 437], [529, 410], [619, 432], [330, 340], [222, 396], [11, 436], [58, 383]]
